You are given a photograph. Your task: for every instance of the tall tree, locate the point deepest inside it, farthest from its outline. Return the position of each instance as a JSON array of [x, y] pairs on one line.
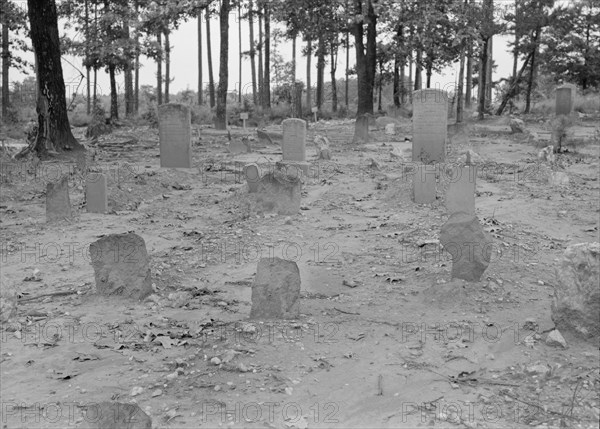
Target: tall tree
[[221, 112], [211, 79], [240, 52], [54, 131], [200, 87], [267, 69], [365, 61], [252, 51]]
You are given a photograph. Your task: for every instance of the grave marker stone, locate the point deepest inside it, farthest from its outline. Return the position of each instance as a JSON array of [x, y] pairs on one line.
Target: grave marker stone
[[121, 266], [315, 110], [424, 183], [115, 415], [280, 193], [95, 193], [174, 127], [430, 122], [294, 143], [276, 290], [252, 175], [58, 203], [244, 118], [565, 99], [460, 194]]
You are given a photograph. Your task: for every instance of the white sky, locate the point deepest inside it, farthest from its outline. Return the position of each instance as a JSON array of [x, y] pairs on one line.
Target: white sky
[[184, 61]]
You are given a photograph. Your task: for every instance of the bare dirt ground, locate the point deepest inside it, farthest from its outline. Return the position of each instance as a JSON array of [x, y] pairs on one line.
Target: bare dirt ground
[[385, 337]]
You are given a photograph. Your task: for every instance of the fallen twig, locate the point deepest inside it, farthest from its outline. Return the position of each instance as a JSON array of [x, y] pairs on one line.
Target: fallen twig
[[33, 298], [344, 311]]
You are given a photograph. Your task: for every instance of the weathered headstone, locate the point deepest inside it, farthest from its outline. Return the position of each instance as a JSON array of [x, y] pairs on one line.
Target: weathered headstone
[[280, 193], [237, 145], [58, 203], [121, 266], [252, 175], [276, 290], [470, 247], [565, 99], [322, 146], [390, 129], [424, 183], [460, 193], [361, 129], [517, 126], [96, 200], [174, 128], [294, 143], [429, 121], [116, 415], [576, 303]]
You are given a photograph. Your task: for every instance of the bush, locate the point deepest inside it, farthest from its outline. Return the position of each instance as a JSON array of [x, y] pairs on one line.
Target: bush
[[201, 114], [150, 117]]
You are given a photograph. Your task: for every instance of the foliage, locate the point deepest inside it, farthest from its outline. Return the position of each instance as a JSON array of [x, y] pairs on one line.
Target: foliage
[[15, 18]]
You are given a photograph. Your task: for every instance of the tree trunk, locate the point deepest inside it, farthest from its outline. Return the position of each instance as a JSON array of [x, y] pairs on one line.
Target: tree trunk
[[252, 52], [532, 68], [488, 84], [320, 70], [95, 96], [240, 51], [347, 85], [159, 94], [128, 75], [261, 76], [87, 56], [483, 59], [513, 87], [167, 65], [460, 89], [371, 45], [294, 112], [211, 77], [136, 70], [469, 82], [308, 72], [5, 66], [429, 72], [410, 77], [221, 113], [54, 131], [333, 67], [114, 100], [364, 69], [517, 41], [379, 107], [267, 78], [402, 79], [396, 84], [418, 69], [200, 88]]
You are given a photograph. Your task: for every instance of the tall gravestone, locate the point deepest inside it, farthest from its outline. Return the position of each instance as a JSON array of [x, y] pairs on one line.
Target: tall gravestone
[[565, 99], [460, 194], [424, 183], [430, 122], [174, 127], [96, 200], [58, 203], [294, 143]]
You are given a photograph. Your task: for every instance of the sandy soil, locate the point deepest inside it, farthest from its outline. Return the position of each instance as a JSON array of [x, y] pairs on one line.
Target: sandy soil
[[385, 337]]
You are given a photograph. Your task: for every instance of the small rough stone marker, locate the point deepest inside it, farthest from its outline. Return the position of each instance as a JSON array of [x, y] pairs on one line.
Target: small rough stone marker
[[58, 203], [96, 200], [276, 290]]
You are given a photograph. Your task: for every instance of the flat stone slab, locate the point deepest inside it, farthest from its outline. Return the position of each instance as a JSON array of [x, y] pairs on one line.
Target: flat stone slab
[[175, 135], [116, 415], [460, 193], [576, 303], [463, 237], [121, 266], [276, 290], [424, 184], [96, 199], [58, 203]]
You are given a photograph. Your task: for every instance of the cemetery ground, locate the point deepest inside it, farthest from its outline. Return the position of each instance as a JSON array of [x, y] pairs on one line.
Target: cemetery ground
[[384, 338]]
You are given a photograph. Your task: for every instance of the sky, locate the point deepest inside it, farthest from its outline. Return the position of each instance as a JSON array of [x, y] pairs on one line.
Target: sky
[[184, 61]]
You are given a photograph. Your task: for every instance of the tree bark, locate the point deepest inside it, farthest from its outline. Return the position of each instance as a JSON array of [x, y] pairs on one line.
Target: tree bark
[[159, 93], [429, 72], [240, 51], [136, 71], [54, 131], [418, 69], [5, 66], [87, 56], [114, 100], [252, 52], [364, 62], [379, 107], [211, 77], [333, 67], [482, 79], [488, 84], [460, 89], [221, 113], [267, 78], [517, 41], [128, 74], [167, 65], [294, 112], [347, 85], [320, 70], [200, 88], [308, 72], [396, 83], [469, 82], [261, 88], [532, 68]]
